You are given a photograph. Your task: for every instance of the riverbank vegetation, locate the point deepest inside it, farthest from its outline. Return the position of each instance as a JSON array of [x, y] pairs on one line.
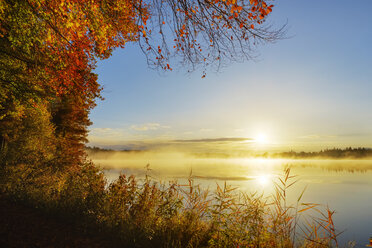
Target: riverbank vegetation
[[145, 213]]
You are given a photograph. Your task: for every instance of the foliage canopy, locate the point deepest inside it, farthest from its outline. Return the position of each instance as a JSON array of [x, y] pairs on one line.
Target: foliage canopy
[[49, 50]]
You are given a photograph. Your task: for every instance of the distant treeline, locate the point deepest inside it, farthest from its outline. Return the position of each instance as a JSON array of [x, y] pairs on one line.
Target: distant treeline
[[96, 149], [336, 153]]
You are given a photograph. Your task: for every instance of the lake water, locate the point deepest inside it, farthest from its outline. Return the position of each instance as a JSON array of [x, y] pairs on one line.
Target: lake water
[[344, 185]]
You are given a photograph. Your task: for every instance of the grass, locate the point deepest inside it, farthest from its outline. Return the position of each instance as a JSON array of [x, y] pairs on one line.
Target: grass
[[146, 213]]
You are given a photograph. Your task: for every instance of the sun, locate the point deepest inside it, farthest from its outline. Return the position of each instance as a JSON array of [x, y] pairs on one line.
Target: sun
[[263, 179], [261, 138]]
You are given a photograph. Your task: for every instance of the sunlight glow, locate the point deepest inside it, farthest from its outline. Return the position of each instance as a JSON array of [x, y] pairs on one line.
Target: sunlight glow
[[261, 138], [263, 180]]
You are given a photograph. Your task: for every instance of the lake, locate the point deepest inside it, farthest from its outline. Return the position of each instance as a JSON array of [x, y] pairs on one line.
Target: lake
[[343, 185]]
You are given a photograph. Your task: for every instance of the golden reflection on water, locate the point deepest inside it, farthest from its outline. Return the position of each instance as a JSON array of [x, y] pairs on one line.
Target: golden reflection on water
[[245, 172], [264, 180], [344, 185]]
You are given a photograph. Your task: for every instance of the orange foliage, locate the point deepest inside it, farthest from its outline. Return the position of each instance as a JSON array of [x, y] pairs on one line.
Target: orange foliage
[[49, 48]]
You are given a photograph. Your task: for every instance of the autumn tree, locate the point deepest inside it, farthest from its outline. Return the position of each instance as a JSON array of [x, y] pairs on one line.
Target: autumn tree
[[207, 32], [49, 49], [31, 138]]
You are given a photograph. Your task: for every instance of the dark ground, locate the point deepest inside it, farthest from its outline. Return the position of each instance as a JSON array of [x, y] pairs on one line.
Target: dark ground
[[23, 226]]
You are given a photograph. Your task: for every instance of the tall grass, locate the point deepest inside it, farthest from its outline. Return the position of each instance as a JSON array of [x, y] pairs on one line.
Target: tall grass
[[146, 213]]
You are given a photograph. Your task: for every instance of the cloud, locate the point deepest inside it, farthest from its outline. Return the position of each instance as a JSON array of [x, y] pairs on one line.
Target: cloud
[[212, 140], [355, 134], [317, 136], [148, 127], [106, 132], [239, 130], [106, 135], [310, 136], [206, 130], [101, 130]]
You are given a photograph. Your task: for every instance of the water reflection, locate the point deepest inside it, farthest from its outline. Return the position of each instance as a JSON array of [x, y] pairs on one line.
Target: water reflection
[[264, 180], [344, 185]]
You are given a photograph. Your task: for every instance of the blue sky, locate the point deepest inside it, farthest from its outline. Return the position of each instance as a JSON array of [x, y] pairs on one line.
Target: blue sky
[[311, 90]]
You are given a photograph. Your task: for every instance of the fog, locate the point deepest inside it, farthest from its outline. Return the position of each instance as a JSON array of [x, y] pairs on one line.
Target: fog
[[176, 164]]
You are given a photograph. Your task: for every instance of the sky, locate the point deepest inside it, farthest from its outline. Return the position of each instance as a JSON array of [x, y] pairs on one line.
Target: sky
[[310, 91]]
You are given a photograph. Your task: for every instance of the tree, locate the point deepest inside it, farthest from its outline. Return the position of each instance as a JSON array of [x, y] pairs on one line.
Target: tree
[[207, 32], [49, 49], [71, 120], [30, 138]]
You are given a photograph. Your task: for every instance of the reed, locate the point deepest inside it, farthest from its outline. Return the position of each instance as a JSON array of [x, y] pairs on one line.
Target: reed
[[147, 213]]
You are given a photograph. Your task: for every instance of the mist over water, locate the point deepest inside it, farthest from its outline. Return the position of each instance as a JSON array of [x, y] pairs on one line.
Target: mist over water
[[344, 185], [169, 164]]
